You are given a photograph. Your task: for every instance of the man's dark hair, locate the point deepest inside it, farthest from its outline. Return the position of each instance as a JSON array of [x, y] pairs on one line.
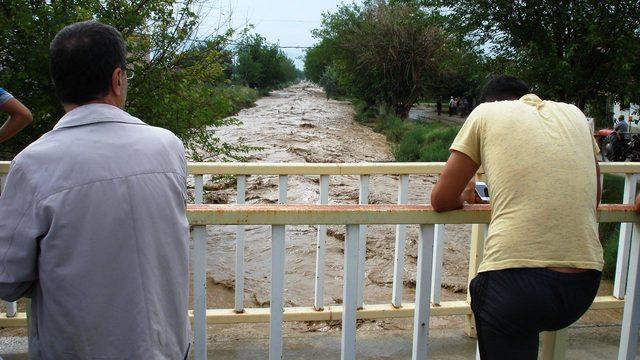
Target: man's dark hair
[[82, 59], [504, 87]]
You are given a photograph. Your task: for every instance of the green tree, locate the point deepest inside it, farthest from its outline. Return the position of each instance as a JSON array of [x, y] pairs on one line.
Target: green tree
[[316, 61], [384, 53], [576, 51], [174, 87], [262, 65]]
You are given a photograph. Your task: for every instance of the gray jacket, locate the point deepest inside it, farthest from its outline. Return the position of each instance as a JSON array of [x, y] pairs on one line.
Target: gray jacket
[[93, 228]]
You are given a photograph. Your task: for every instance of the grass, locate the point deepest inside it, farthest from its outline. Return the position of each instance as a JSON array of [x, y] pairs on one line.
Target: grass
[[412, 142], [612, 192]]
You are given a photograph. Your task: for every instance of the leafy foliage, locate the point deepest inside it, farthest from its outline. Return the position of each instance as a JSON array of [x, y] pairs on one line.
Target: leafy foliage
[[262, 65], [382, 53], [316, 61], [329, 83], [178, 85], [573, 51]]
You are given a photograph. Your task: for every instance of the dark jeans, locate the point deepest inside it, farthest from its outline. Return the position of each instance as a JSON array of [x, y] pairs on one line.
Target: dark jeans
[[512, 306]]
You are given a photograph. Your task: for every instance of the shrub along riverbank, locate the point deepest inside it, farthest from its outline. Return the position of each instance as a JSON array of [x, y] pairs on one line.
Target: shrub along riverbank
[[411, 141]]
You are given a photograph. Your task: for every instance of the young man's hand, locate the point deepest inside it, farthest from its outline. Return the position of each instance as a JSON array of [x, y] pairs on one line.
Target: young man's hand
[[469, 193], [636, 206]]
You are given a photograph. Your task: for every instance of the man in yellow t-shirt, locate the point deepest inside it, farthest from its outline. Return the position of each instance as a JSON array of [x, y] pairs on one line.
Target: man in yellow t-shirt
[[542, 256]]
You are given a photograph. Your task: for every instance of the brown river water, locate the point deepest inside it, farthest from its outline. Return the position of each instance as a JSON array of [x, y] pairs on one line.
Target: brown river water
[[298, 124]]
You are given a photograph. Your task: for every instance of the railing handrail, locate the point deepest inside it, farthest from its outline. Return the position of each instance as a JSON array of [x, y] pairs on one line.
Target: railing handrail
[[381, 168], [292, 214], [356, 217]]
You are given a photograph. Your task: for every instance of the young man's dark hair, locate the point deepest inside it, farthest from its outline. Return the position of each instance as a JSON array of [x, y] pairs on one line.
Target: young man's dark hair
[[83, 57], [504, 87]]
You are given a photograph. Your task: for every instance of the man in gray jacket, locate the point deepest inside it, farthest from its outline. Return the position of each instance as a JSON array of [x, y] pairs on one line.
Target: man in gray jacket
[[93, 224]]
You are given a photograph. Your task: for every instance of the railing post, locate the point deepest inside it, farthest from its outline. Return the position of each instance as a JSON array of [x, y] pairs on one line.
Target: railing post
[[198, 189], [362, 237], [398, 260], [554, 344], [239, 283], [631, 315], [476, 252], [277, 288], [282, 189], [436, 279], [199, 292], [423, 284], [349, 293], [624, 242], [321, 248]]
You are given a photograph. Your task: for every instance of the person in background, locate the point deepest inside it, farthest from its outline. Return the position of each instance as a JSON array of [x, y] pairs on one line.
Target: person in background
[[452, 106], [464, 106], [439, 106], [621, 128], [542, 257], [94, 227], [621, 137], [19, 115]]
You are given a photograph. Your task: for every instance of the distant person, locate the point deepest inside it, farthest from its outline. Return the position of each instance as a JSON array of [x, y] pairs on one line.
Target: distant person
[[621, 138], [464, 106], [452, 106], [542, 256], [621, 128], [94, 227], [439, 106], [19, 115]]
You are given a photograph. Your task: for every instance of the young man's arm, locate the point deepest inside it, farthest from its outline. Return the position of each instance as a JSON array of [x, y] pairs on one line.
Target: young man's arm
[[456, 184], [19, 118]]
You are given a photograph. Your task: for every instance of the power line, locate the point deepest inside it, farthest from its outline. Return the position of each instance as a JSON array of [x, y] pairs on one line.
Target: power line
[[278, 46]]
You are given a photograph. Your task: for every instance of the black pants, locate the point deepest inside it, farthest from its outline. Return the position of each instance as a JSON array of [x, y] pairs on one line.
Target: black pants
[[511, 307]]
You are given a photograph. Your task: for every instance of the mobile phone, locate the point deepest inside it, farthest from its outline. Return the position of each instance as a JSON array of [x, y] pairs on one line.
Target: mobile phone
[[482, 191]]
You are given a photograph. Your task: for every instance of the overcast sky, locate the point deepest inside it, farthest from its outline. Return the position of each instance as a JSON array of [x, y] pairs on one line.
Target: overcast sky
[[287, 22]]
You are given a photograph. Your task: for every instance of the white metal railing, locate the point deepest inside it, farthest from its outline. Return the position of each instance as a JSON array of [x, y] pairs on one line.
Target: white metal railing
[[354, 215], [364, 170], [321, 312]]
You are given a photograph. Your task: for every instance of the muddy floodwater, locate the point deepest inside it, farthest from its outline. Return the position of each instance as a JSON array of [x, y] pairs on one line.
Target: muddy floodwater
[[298, 124]]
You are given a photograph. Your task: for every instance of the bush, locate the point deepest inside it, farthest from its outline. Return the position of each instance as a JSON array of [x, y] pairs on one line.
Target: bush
[[437, 150], [238, 97], [410, 147], [329, 83], [364, 112], [262, 65], [391, 126], [426, 142]]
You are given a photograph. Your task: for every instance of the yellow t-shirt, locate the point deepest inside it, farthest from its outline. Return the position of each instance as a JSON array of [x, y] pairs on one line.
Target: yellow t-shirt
[[538, 157]]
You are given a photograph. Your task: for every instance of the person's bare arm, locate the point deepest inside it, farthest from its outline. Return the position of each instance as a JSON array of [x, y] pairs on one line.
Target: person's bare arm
[[456, 183], [19, 118]]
